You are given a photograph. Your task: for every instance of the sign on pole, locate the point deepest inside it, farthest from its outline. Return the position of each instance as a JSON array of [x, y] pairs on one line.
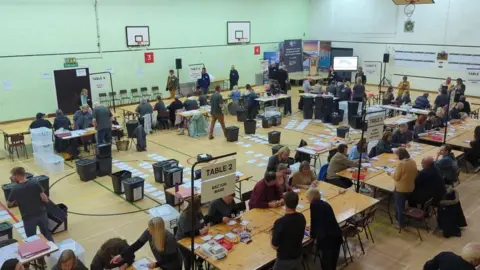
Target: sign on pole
[[218, 180], [375, 128], [195, 72]]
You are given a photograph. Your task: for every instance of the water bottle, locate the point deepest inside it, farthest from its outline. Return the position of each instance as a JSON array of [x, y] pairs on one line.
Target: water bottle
[[176, 187]]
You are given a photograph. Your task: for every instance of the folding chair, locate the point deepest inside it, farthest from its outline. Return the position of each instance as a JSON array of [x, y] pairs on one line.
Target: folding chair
[[135, 95], [124, 98]]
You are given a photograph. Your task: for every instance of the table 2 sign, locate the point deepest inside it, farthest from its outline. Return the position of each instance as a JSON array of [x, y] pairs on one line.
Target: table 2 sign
[[218, 180]]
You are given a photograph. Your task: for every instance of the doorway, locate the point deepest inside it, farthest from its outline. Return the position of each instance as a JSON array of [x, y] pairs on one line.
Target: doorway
[[69, 84]]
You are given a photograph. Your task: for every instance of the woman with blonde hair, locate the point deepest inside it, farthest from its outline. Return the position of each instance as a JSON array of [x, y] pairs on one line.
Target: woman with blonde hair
[[68, 261], [447, 260], [280, 157], [162, 243]]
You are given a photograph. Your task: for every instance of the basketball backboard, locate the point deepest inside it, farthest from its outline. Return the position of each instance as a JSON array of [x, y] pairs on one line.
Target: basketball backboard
[[416, 2], [137, 36]]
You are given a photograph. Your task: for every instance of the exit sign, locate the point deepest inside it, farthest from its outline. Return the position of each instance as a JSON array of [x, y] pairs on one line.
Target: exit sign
[[70, 62], [70, 65]]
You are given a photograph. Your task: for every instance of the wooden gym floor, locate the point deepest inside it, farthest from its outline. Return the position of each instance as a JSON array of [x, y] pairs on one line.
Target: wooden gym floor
[[100, 213]]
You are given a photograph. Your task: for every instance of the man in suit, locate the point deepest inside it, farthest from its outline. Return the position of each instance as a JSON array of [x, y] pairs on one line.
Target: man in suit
[[204, 82], [234, 77]]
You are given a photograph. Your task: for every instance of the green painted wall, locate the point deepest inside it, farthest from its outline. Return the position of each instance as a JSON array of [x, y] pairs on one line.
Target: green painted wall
[[38, 34]]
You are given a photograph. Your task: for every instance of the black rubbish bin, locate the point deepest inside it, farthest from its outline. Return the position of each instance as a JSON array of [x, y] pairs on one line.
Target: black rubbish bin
[[6, 230], [241, 115], [276, 120], [27, 176], [57, 217], [250, 126], [131, 125], [342, 131], [276, 148], [159, 167], [87, 169], [173, 176], [267, 122], [336, 118], [103, 150], [274, 137], [308, 108], [133, 188], [170, 199], [7, 188], [203, 157], [104, 166], [352, 108], [356, 122], [44, 181], [117, 178], [232, 134]]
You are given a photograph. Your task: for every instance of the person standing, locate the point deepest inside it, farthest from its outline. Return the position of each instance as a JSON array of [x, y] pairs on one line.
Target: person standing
[[459, 90], [282, 78], [143, 109], [204, 82], [234, 77], [102, 120], [31, 199], [272, 71], [216, 110], [403, 86], [359, 90], [172, 84], [361, 75], [84, 99], [287, 235], [404, 179]]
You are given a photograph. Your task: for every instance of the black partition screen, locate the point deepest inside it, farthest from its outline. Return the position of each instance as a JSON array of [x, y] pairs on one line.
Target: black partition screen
[[342, 52], [68, 85]]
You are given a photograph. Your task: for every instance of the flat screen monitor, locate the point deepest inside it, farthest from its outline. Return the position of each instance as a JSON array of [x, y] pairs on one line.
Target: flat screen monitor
[[345, 63]]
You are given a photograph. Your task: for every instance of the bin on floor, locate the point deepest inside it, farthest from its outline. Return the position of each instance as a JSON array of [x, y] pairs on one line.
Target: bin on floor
[[170, 199], [159, 167], [276, 148], [232, 134], [103, 150], [7, 188], [336, 118], [133, 188], [27, 176], [241, 115], [86, 169], [274, 137], [276, 120], [117, 178], [44, 182], [342, 131], [173, 176], [57, 217], [6, 231], [250, 126], [104, 166], [267, 122]]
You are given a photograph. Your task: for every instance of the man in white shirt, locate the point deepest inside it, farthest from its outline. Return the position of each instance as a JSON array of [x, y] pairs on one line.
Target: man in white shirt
[[307, 88]]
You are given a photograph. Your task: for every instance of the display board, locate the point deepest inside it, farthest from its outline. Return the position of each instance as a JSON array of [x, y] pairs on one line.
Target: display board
[[345, 63], [238, 32], [459, 61], [415, 59]]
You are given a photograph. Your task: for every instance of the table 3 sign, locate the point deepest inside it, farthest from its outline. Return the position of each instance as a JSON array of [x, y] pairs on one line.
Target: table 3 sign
[[218, 180]]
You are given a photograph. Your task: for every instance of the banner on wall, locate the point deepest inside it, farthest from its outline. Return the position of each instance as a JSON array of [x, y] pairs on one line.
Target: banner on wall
[[310, 48], [370, 68], [473, 76], [293, 55], [195, 71], [325, 55], [271, 57]]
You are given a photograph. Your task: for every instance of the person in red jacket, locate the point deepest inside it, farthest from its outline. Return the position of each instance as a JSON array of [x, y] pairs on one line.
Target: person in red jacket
[[267, 192]]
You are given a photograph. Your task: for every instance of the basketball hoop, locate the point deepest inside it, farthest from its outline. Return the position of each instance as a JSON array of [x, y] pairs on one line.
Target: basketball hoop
[[141, 43], [409, 9], [242, 40]]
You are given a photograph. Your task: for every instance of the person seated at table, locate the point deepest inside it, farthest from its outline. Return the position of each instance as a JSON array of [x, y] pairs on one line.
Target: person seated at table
[[280, 157], [274, 88], [419, 127], [172, 108], [331, 89], [324, 229], [403, 86], [202, 100], [466, 105], [235, 95], [338, 163], [472, 155], [40, 121], [433, 121], [185, 228], [116, 132], [287, 235], [159, 106], [61, 121], [388, 97], [304, 178], [345, 92], [446, 164], [469, 260], [307, 87], [441, 100], [108, 250], [428, 184], [69, 261], [385, 145], [162, 243], [266, 193], [354, 153], [404, 179], [455, 112], [422, 102], [283, 173], [404, 99], [12, 264], [222, 210], [190, 103], [402, 135]]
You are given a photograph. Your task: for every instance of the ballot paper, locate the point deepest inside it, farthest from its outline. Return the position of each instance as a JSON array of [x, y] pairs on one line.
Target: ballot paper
[[251, 161], [238, 174], [206, 237], [231, 222], [244, 223], [258, 155], [240, 143], [246, 145], [151, 189], [261, 164], [158, 193]]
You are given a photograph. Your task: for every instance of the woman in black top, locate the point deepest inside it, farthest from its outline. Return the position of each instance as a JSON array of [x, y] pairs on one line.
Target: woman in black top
[[388, 97], [459, 90], [441, 100], [280, 157], [162, 244], [361, 75], [107, 251], [359, 91], [324, 229], [173, 107], [469, 260], [473, 154]]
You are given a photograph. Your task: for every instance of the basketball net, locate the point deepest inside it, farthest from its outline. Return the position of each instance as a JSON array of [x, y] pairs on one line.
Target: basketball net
[[242, 41], [409, 9]]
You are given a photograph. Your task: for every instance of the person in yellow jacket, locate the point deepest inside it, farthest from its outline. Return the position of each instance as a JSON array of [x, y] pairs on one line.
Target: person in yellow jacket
[[172, 84], [403, 86]]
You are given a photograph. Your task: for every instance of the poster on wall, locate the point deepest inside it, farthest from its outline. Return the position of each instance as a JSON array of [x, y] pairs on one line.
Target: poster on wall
[[271, 57], [263, 65], [310, 48], [195, 72], [325, 55], [473, 76], [370, 68], [293, 56], [99, 83]]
